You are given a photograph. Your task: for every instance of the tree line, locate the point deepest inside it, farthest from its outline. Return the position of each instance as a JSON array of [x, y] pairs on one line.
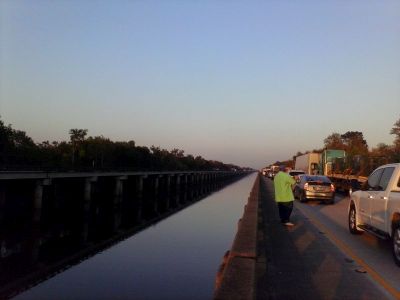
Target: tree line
[[18, 151], [358, 154]]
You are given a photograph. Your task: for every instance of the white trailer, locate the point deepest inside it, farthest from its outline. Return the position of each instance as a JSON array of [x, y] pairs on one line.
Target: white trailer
[[308, 162]]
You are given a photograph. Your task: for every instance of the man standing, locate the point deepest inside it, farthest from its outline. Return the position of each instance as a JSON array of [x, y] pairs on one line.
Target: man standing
[[283, 183]]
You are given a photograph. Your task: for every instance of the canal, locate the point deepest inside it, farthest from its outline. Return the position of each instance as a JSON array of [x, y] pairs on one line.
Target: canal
[[175, 258]]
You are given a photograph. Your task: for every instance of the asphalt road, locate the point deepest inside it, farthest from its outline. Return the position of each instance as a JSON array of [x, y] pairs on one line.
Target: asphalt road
[[372, 253], [318, 258]]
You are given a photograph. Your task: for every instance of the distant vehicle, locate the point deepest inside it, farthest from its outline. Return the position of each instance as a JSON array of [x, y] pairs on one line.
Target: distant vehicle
[[331, 163], [343, 180], [309, 163], [266, 171], [376, 207], [316, 187], [295, 173], [273, 172]]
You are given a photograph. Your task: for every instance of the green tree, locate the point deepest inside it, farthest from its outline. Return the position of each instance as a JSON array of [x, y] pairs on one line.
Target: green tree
[[5, 142], [16, 148], [355, 143], [77, 136], [334, 141], [396, 131]]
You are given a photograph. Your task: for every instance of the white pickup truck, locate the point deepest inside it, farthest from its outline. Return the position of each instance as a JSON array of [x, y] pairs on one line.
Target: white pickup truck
[[376, 207]]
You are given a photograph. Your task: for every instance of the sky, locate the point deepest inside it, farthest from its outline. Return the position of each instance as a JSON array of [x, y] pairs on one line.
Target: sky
[[242, 82]]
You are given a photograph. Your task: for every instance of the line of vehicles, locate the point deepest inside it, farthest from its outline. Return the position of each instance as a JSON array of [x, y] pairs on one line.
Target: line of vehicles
[[374, 205], [315, 176], [330, 163]]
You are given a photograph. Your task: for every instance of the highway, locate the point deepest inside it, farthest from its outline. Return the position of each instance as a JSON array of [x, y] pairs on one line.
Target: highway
[[318, 258], [371, 254]]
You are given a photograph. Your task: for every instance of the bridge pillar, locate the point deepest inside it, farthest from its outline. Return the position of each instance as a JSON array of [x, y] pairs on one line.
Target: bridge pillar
[[168, 183], [185, 180], [186, 188], [168, 191], [2, 200], [195, 179], [38, 199], [139, 197], [178, 181], [177, 189], [87, 197], [156, 192], [119, 189]]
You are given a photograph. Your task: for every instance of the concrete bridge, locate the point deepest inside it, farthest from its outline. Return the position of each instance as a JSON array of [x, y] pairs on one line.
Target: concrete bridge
[[84, 185], [94, 210]]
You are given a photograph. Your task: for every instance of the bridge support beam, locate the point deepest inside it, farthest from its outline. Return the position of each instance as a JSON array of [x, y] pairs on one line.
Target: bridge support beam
[[139, 197], [87, 196], [38, 199], [2, 200], [119, 189]]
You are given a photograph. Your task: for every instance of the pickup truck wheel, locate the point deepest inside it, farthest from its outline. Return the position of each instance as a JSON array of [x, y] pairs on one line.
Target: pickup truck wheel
[[396, 244], [353, 221]]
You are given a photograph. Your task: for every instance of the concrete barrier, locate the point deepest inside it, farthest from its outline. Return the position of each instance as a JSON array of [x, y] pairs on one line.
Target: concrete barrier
[[236, 276]]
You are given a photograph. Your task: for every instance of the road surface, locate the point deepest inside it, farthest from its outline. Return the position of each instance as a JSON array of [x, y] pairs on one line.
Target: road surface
[[318, 258]]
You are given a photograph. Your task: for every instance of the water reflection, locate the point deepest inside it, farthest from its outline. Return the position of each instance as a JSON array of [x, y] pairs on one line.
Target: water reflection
[[71, 232]]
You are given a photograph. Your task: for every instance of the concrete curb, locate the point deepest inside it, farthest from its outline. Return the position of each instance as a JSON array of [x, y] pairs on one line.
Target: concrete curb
[[236, 276]]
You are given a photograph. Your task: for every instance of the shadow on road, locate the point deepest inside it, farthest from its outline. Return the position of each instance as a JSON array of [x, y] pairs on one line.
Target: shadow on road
[[302, 263]]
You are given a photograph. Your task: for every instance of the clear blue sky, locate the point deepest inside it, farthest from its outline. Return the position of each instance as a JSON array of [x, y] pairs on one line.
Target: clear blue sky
[[243, 82]]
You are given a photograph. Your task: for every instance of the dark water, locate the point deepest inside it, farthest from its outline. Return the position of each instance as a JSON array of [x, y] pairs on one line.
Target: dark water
[[176, 258]]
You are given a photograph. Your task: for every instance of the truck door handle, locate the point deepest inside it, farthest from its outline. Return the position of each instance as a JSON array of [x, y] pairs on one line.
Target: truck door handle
[[384, 198]]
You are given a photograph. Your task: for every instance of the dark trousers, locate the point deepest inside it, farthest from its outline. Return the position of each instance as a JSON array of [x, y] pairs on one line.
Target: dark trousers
[[285, 210]]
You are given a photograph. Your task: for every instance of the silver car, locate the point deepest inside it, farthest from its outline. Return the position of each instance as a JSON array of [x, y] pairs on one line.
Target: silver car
[[315, 187]]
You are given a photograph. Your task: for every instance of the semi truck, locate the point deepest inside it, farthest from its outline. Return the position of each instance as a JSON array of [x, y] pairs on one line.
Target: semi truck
[[331, 163], [309, 163]]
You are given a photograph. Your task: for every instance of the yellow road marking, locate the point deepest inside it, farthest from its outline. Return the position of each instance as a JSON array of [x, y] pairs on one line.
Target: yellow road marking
[[347, 250]]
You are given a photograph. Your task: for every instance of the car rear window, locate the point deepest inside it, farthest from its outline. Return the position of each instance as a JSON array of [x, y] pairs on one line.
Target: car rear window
[[295, 173], [322, 179]]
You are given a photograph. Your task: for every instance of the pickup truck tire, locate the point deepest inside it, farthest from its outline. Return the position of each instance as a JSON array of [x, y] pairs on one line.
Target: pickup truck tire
[[396, 243], [352, 221]]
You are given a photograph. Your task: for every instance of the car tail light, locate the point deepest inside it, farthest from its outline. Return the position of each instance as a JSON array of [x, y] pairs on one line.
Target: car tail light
[[332, 188]]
